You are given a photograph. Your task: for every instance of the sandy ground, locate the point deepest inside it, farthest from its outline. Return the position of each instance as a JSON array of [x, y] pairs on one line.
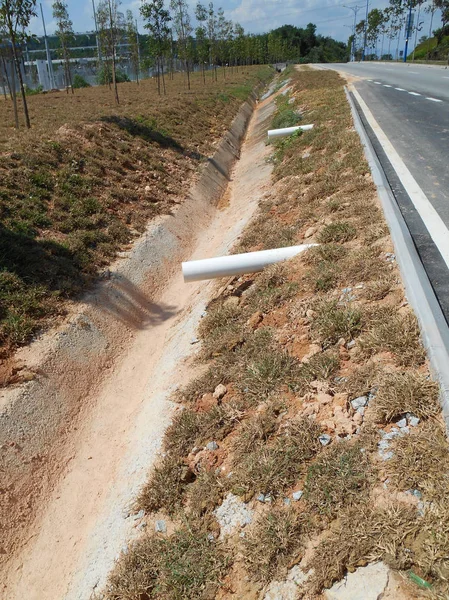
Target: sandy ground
[[86, 521]]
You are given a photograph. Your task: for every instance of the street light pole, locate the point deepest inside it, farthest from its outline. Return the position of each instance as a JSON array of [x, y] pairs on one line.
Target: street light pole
[[407, 31], [366, 31], [355, 9]]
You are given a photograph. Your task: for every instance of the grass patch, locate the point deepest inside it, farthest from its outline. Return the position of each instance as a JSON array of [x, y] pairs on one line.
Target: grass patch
[[340, 476], [271, 468], [395, 333], [165, 488], [184, 566], [337, 232], [272, 542], [333, 322], [401, 393]]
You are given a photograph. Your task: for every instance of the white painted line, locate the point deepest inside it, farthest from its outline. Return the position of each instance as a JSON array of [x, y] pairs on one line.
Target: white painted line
[[369, 80], [386, 85], [432, 220], [415, 72], [400, 89], [434, 99], [445, 77], [414, 94], [377, 83]]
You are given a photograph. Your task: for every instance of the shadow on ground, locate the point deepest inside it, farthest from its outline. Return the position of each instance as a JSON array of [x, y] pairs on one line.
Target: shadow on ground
[[125, 302]]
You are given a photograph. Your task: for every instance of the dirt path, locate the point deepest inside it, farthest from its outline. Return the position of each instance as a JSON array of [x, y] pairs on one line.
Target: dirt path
[[86, 520]]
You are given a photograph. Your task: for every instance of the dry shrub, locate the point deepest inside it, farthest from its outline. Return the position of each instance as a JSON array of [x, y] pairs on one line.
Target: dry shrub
[[341, 475], [401, 393], [270, 468], [181, 434], [257, 430], [184, 566], [395, 333], [272, 542]]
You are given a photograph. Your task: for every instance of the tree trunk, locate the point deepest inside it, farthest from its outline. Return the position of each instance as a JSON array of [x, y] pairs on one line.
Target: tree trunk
[[12, 92], [22, 89]]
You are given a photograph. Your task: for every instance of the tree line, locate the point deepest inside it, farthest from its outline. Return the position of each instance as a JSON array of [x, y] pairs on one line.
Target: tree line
[[205, 40], [382, 31]]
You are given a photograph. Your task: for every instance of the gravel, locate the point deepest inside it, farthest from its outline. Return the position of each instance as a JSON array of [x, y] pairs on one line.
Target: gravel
[[232, 514]]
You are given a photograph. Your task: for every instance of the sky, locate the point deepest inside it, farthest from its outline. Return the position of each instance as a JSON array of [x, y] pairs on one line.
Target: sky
[[256, 16]]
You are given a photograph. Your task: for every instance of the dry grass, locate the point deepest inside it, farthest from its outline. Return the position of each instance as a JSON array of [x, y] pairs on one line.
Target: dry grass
[[272, 542], [333, 322], [339, 477], [337, 232], [270, 468], [184, 566], [401, 393], [361, 535], [165, 488], [398, 334], [421, 460]]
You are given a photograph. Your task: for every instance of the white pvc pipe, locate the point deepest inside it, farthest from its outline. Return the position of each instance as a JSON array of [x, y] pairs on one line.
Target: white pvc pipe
[[237, 264], [278, 133]]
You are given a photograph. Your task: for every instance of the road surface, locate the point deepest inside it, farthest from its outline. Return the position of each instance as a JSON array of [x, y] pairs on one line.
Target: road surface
[[410, 104]]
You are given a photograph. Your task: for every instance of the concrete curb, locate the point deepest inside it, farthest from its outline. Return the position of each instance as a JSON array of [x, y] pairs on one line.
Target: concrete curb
[[434, 329]]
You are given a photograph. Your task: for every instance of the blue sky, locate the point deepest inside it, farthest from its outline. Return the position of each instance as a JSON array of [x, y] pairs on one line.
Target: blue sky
[[256, 16]]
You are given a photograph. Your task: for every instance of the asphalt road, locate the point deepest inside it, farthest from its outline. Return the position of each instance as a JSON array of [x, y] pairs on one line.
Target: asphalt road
[[411, 105]]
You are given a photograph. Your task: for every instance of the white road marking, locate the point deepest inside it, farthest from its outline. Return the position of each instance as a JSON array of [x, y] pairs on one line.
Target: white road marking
[[400, 89], [377, 83], [369, 80], [445, 77], [386, 85], [415, 72], [434, 99], [414, 94], [432, 220]]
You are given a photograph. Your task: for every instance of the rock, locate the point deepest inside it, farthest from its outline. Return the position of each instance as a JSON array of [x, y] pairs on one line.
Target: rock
[[212, 446], [310, 314], [219, 391], [232, 514], [194, 341], [412, 420], [358, 418], [287, 501], [313, 349], [402, 423], [255, 319], [160, 526], [350, 344], [366, 583], [359, 402], [139, 515], [325, 439], [148, 188], [297, 495], [309, 232], [324, 399]]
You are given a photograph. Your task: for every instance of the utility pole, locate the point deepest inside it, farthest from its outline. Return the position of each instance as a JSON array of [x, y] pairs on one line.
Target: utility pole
[[366, 31], [355, 9], [47, 49], [408, 28]]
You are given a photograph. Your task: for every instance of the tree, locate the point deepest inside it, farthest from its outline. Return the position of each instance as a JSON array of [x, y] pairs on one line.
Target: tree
[[375, 18], [181, 20], [15, 16], [201, 37], [157, 19], [132, 36], [64, 31], [108, 20]]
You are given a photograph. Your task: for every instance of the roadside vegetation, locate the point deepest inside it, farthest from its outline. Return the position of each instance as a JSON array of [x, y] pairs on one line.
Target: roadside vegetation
[[85, 181], [316, 411]]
